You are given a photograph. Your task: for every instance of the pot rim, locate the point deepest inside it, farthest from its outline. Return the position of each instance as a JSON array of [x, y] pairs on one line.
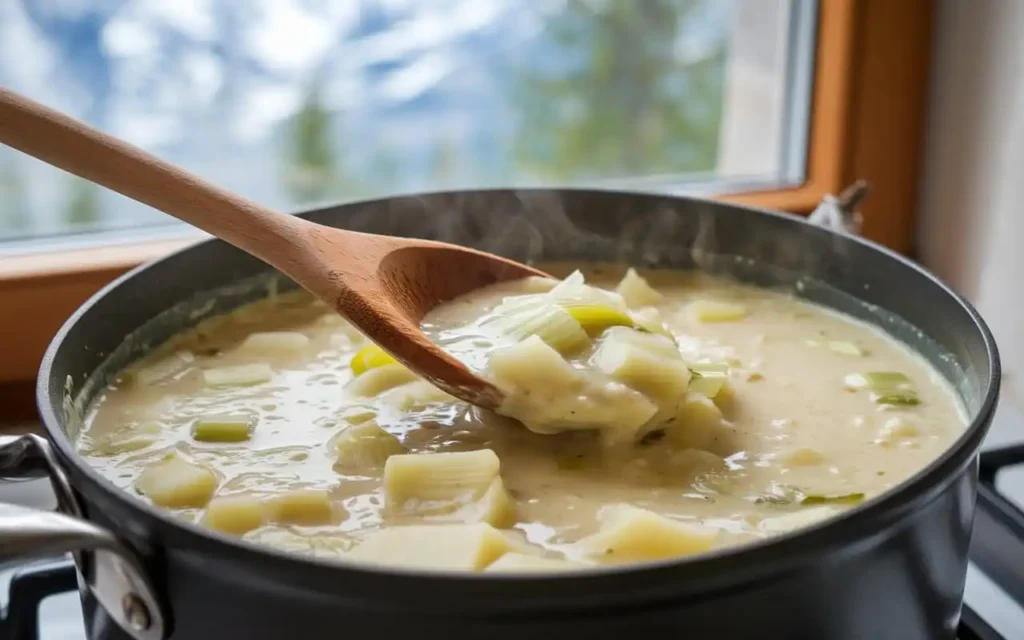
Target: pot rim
[[703, 573]]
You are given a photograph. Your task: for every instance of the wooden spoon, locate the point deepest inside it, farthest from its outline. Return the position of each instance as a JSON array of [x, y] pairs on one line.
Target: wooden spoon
[[383, 285]]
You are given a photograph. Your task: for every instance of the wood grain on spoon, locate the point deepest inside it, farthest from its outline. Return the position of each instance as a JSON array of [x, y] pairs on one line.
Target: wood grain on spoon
[[383, 285]]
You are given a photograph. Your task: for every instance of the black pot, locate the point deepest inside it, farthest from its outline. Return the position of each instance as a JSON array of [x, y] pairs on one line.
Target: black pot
[[892, 568]]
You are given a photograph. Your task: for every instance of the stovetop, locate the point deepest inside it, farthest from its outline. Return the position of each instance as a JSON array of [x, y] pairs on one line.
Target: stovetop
[[993, 600]]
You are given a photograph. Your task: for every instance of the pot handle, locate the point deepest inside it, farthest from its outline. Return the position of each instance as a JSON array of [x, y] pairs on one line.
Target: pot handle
[[839, 213], [116, 578]]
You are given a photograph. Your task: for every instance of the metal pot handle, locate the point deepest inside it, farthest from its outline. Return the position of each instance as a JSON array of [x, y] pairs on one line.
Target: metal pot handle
[[839, 213], [116, 578]]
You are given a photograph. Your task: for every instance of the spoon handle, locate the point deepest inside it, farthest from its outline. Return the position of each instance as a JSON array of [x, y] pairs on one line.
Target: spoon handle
[[77, 148]]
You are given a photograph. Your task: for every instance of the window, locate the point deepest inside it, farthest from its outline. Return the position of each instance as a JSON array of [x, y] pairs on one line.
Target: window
[[294, 103]]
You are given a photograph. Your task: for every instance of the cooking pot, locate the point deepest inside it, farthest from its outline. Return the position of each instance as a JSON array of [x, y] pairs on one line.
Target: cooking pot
[[891, 568]]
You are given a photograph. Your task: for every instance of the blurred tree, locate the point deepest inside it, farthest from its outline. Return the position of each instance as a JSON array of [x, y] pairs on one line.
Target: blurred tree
[[311, 171], [14, 215], [443, 168], [618, 95], [83, 205]]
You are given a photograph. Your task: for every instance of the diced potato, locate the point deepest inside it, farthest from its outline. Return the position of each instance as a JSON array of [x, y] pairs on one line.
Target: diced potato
[[636, 291], [365, 446], [358, 414], [716, 311], [799, 519], [697, 412], [416, 395], [522, 563], [802, 457], [642, 363], [438, 483], [532, 364], [496, 507], [177, 483], [240, 375], [378, 380], [307, 507], [443, 547], [168, 368], [235, 515], [226, 428], [370, 357], [322, 545], [274, 343], [631, 534]]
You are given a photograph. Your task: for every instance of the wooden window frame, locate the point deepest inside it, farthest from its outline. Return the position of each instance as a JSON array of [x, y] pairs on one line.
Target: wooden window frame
[[867, 117]]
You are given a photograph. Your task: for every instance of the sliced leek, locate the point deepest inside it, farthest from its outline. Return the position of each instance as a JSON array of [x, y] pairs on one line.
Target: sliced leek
[[225, 428], [890, 388], [370, 357], [708, 378], [375, 381], [595, 319]]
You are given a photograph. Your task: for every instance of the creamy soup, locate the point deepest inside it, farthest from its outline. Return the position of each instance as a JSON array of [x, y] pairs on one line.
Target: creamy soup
[[671, 415]]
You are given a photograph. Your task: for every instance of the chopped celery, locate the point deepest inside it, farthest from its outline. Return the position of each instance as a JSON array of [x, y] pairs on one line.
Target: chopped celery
[[594, 319], [223, 428], [241, 375], [886, 379], [708, 378], [370, 357], [848, 498], [549, 322], [887, 387], [899, 398]]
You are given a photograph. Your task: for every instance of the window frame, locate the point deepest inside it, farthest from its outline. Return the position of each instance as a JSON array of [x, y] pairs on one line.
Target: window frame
[[869, 93]]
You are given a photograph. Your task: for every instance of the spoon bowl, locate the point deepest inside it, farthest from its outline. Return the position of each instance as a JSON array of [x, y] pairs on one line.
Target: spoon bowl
[[384, 285]]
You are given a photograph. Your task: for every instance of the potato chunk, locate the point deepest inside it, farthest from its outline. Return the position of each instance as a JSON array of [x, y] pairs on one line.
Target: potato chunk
[[307, 507], [234, 515], [532, 364], [523, 563], [438, 483], [274, 343], [242, 375], [177, 483], [631, 534], [457, 547], [636, 291], [648, 363], [373, 382], [365, 447]]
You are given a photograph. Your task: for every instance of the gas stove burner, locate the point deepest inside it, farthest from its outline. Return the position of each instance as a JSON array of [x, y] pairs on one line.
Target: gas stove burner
[[997, 548]]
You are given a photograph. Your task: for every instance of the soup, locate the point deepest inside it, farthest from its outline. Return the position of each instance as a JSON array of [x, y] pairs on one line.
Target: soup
[[687, 413]]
